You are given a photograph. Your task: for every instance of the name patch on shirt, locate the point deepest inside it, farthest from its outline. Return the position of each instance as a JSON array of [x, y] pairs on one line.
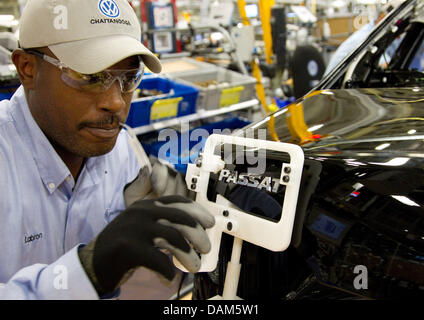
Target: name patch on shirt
[[33, 237]]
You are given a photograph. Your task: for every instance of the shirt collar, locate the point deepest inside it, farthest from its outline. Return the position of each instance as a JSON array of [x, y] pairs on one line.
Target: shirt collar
[[51, 167]]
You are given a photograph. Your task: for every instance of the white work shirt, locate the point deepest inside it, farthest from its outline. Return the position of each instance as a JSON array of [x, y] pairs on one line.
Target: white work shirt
[[44, 215]]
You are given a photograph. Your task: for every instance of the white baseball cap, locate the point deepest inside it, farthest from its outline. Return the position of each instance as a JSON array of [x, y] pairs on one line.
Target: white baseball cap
[[88, 36]]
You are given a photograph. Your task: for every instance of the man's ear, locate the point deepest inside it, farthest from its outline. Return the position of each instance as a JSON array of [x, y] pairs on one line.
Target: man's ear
[[26, 66]]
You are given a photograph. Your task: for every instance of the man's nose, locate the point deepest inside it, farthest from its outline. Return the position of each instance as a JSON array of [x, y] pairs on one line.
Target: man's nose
[[112, 99]]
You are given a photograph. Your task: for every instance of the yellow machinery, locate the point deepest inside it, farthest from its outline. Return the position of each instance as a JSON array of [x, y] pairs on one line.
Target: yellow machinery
[[265, 12], [295, 119]]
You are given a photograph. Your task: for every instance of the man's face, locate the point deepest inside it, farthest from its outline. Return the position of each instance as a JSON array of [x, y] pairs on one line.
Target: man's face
[[78, 123]]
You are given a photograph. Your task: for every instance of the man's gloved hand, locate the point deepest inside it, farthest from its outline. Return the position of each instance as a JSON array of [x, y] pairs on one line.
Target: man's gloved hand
[[163, 181], [133, 239]]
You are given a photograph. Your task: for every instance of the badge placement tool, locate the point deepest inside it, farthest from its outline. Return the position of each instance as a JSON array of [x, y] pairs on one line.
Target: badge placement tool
[[274, 236]]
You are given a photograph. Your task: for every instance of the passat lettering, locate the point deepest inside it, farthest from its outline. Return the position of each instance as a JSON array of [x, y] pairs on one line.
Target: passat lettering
[[268, 183]]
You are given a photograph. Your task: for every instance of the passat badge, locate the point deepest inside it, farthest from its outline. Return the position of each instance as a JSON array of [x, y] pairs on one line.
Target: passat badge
[[260, 182], [109, 8]]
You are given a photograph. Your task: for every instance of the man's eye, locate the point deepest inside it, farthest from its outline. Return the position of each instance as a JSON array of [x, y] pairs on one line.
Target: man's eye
[[130, 76], [96, 78], [86, 77]]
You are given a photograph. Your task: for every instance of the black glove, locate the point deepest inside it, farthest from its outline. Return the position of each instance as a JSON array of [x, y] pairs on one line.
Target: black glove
[[163, 181], [134, 237]]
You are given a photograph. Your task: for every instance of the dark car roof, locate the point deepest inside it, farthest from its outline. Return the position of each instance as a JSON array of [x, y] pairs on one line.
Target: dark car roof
[[359, 119], [360, 127]]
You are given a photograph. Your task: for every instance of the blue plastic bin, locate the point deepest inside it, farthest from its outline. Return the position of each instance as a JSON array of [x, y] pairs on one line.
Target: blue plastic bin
[[180, 158], [4, 96], [140, 112], [281, 103], [8, 90]]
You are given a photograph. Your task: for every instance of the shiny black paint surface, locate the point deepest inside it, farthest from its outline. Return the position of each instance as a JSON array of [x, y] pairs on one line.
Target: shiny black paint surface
[[366, 207]]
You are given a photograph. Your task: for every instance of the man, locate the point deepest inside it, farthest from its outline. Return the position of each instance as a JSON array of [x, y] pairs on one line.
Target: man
[[68, 231]]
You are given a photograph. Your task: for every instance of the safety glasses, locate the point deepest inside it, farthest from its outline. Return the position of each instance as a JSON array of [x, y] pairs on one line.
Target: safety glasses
[[129, 80]]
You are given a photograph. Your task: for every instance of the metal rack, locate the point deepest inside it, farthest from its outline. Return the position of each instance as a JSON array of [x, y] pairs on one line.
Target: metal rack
[[193, 28], [200, 114]]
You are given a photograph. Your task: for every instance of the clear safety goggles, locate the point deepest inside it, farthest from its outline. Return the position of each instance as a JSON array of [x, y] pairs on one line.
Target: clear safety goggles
[[129, 79]]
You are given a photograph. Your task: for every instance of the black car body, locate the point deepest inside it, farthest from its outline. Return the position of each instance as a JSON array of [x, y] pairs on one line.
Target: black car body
[[359, 225]]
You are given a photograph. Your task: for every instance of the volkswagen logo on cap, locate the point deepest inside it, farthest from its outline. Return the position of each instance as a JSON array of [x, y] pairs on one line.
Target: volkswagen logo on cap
[[109, 8]]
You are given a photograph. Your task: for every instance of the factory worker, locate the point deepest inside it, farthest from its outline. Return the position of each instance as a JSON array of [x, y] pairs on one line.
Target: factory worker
[[77, 213]]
